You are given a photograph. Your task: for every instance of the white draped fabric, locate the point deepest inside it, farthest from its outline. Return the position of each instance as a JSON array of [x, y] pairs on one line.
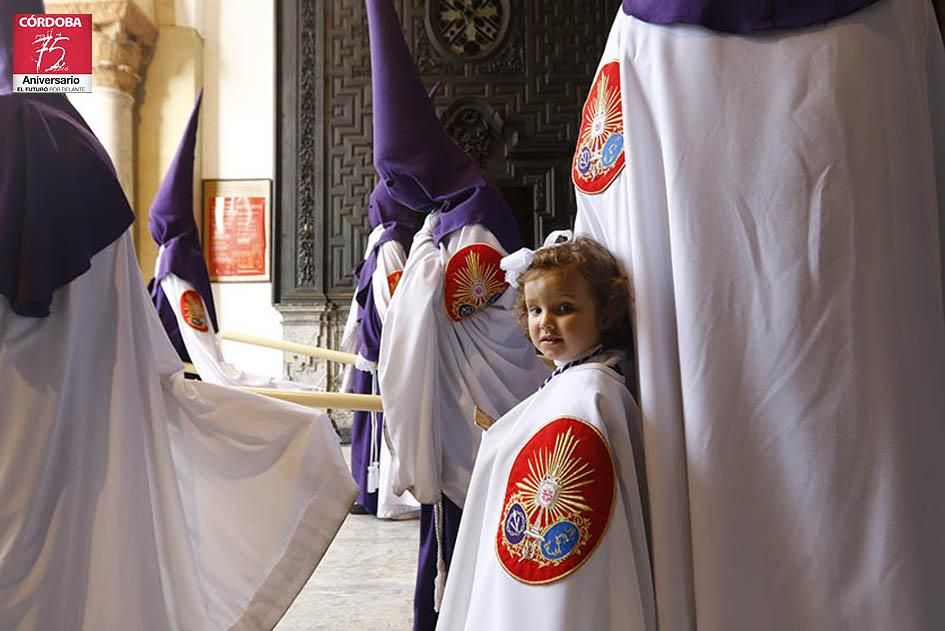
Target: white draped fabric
[[781, 217], [434, 370], [390, 260], [204, 348], [131, 498], [612, 590]]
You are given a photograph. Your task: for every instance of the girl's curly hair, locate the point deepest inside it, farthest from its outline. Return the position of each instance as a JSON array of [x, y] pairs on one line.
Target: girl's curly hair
[[610, 286]]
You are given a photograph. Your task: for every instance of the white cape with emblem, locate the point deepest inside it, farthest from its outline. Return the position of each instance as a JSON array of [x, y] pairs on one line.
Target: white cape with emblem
[[132, 498], [204, 348], [434, 370], [390, 260], [612, 589], [781, 215]]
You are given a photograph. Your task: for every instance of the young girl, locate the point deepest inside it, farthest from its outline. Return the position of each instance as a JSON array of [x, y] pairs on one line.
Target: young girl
[[553, 533]]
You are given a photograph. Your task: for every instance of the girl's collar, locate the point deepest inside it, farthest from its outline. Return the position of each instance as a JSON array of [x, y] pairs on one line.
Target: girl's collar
[[580, 358], [562, 366]]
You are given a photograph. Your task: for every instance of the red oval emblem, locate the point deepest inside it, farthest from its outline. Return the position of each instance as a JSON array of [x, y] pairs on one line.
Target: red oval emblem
[[599, 157], [392, 279], [192, 310], [473, 280], [558, 502]]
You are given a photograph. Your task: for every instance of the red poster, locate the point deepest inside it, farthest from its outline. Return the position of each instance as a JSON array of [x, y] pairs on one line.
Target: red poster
[[237, 237]]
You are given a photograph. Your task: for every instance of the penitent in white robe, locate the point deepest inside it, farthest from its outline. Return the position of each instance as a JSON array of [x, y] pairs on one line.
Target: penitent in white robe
[[780, 211], [451, 342], [132, 498], [203, 346], [390, 265], [552, 535]]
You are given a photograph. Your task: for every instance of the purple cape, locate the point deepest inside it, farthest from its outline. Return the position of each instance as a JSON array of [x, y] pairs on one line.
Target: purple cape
[[60, 200], [743, 16]]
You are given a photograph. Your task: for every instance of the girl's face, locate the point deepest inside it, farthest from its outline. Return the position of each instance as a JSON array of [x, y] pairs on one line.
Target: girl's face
[[563, 318]]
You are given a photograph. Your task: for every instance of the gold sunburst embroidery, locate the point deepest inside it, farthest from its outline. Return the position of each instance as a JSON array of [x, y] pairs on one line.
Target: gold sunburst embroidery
[[552, 486], [193, 311], [476, 284], [194, 305], [603, 117], [600, 154], [558, 502]]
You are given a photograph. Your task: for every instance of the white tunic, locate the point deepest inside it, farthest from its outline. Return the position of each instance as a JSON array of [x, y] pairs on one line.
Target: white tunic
[[781, 215], [445, 349], [391, 259], [131, 498], [390, 264], [608, 584]]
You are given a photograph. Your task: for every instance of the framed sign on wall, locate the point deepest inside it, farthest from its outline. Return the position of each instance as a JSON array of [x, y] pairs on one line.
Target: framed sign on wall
[[237, 229]]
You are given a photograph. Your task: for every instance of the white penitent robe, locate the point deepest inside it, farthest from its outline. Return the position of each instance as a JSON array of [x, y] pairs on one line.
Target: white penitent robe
[[553, 534], [204, 347], [390, 265], [391, 259], [451, 342], [780, 212], [132, 498]]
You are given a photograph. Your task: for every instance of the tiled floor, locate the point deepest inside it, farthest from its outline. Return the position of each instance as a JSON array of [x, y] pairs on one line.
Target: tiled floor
[[364, 582]]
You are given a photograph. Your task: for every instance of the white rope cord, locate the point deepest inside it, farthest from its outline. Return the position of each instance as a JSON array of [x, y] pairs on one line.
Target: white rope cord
[[374, 464], [439, 583]]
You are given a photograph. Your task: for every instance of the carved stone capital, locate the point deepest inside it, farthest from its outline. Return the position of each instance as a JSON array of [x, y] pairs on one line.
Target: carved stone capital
[[319, 324], [123, 39]]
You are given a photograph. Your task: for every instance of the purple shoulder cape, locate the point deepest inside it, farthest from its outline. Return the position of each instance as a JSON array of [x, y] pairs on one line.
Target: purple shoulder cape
[[60, 199], [743, 16]]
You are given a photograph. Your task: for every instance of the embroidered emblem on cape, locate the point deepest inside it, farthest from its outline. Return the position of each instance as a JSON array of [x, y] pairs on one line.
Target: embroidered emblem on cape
[[599, 156], [558, 502], [473, 280], [192, 310], [392, 279]]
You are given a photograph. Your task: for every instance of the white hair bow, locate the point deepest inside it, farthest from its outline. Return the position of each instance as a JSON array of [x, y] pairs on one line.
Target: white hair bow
[[516, 263]]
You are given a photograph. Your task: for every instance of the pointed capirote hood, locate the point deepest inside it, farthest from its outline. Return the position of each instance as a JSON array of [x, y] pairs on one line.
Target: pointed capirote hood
[[8, 9], [172, 226], [416, 159], [172, 212]]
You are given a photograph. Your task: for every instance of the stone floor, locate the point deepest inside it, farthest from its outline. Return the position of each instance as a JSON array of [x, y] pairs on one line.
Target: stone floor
[[365, 580]]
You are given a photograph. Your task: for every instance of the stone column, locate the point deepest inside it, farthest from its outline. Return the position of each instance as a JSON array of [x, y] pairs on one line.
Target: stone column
[[110, 114], [123, 37]]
